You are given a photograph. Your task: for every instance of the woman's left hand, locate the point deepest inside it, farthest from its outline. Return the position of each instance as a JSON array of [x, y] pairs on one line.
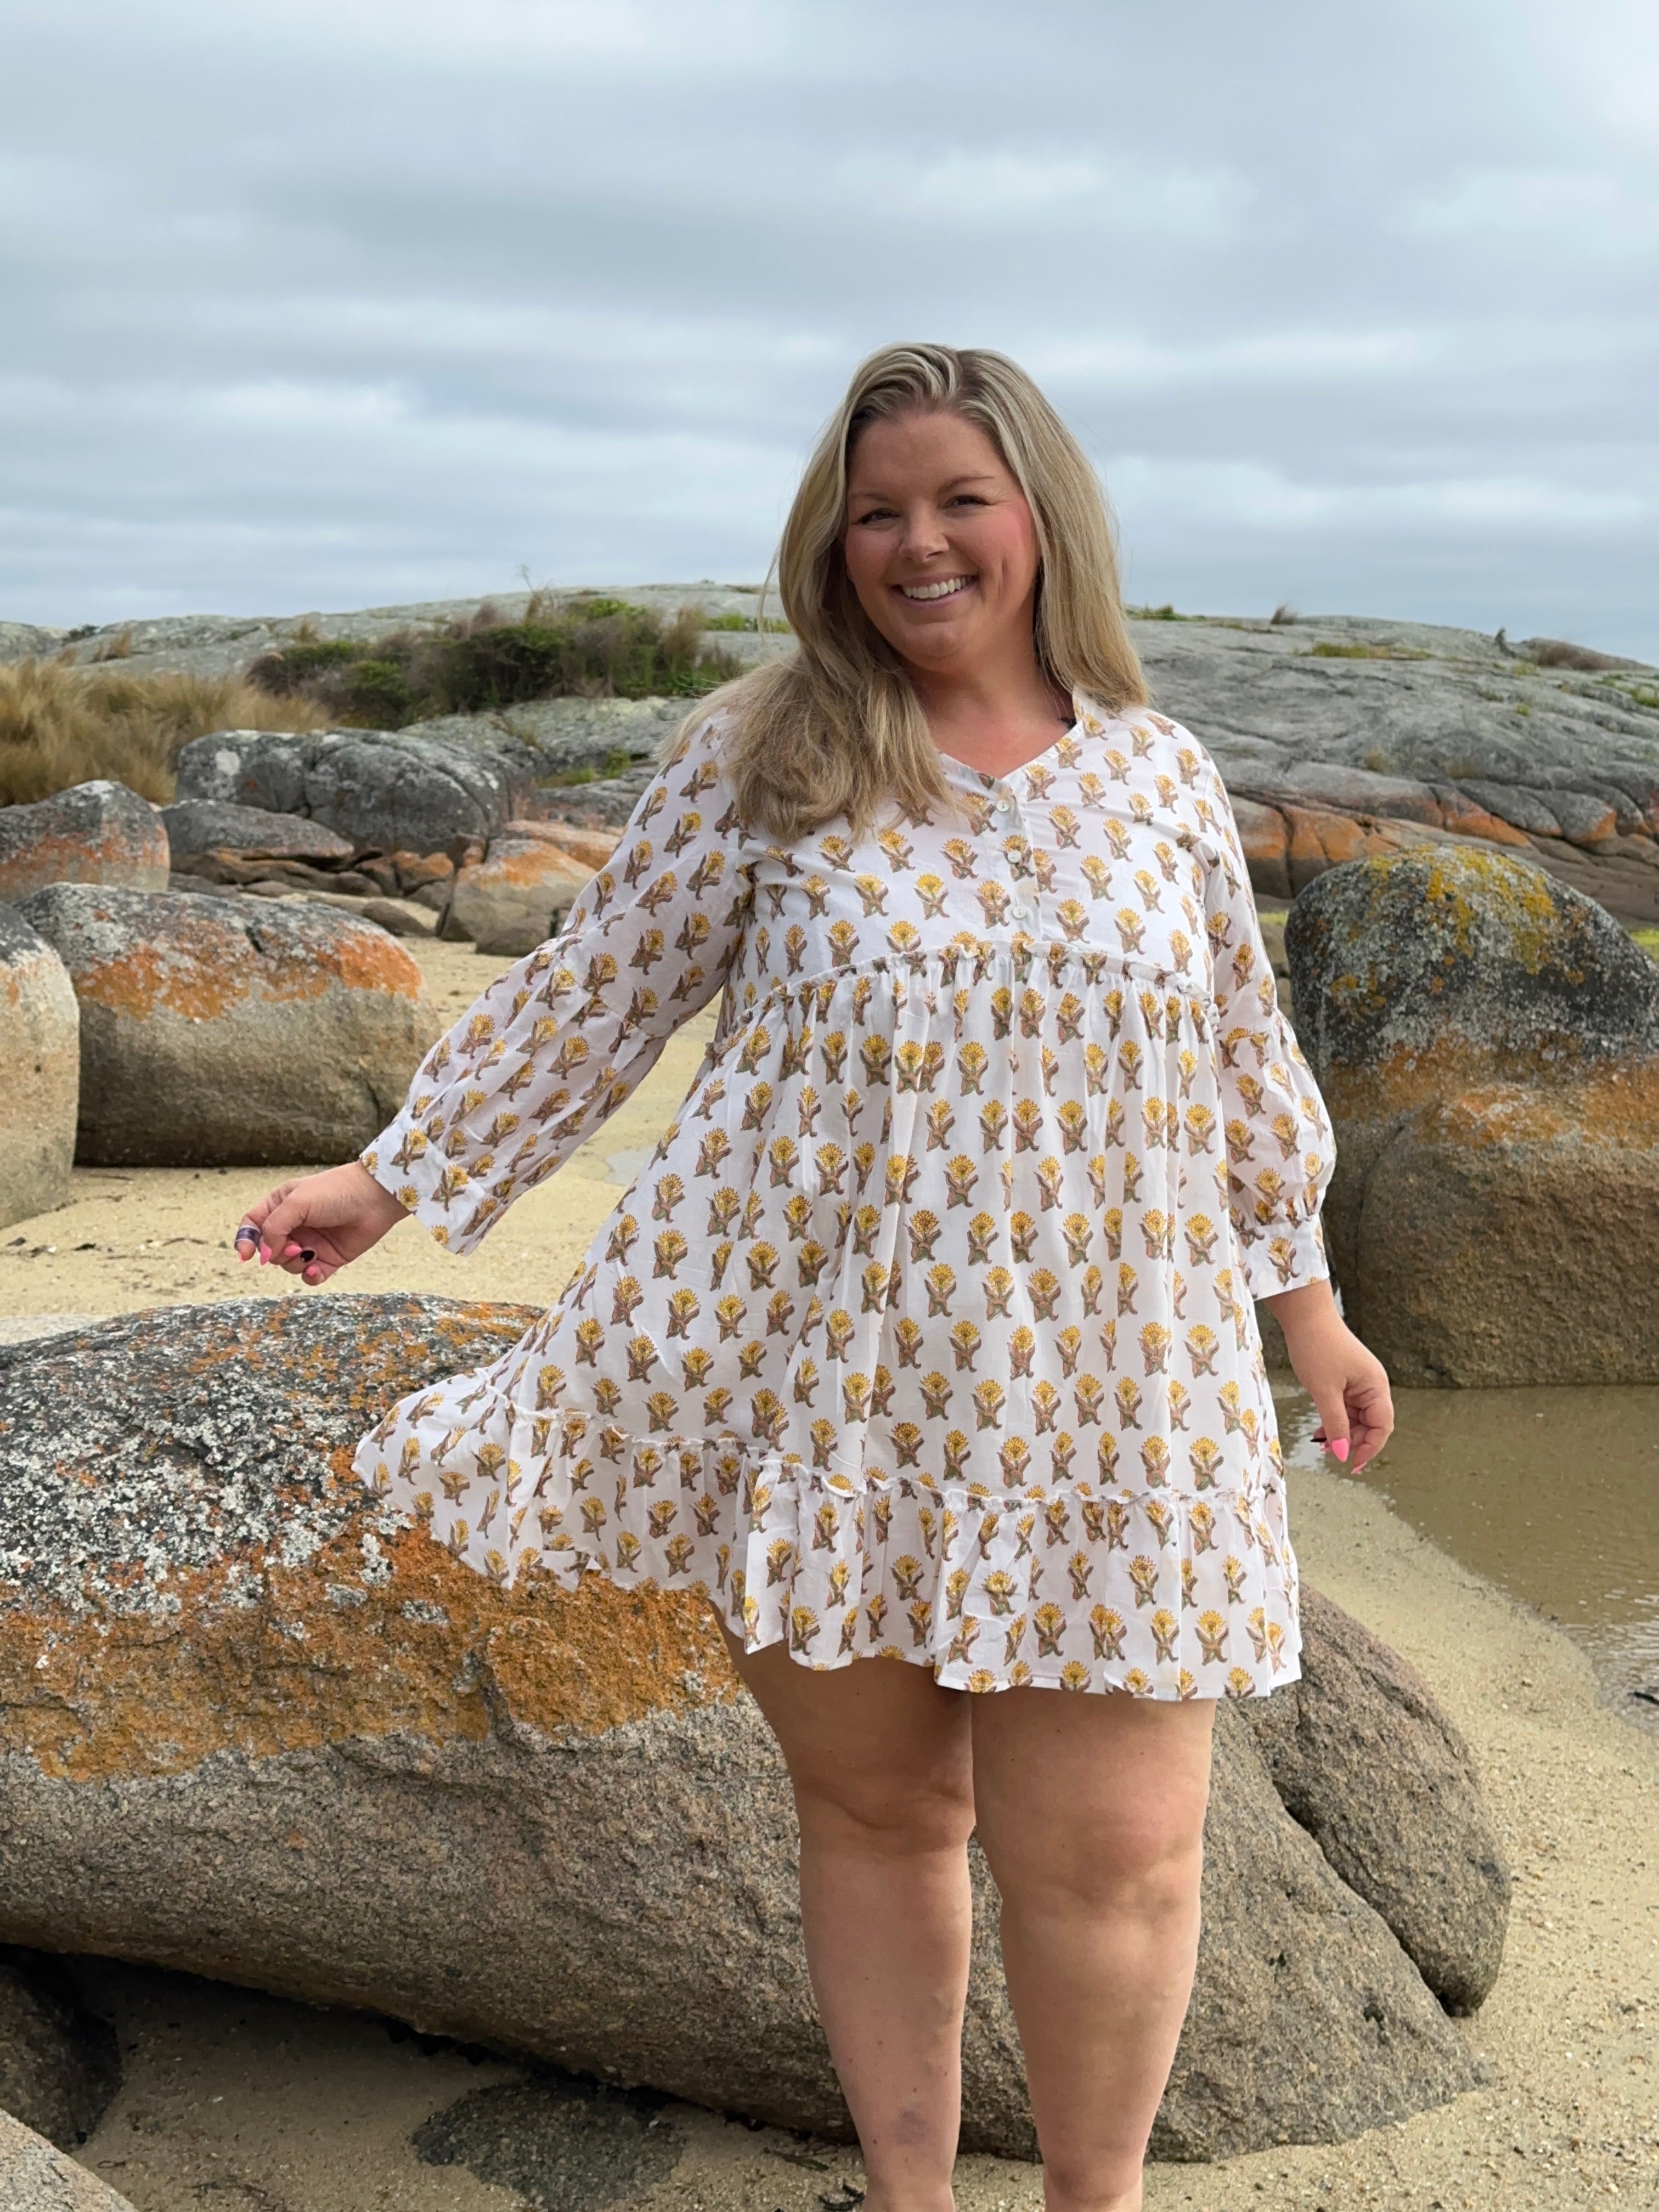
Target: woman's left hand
[[1348, 1383]]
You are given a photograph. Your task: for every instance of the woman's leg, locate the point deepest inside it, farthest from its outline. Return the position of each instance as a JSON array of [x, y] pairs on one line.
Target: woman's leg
[[880, 1758], [1091, 1814]]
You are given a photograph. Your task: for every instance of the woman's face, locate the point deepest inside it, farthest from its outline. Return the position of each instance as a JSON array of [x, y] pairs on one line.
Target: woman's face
[[939, 542]]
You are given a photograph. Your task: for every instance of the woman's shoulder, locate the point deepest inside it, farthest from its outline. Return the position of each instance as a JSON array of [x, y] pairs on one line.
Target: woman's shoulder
[[1167, 747]]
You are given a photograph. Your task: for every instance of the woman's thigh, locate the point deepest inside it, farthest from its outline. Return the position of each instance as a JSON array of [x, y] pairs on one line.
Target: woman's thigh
[[878, 1740], [1085, 1791]]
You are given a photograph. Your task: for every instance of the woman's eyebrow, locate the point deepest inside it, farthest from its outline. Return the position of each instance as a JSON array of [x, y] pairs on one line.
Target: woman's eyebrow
[[861, 491]]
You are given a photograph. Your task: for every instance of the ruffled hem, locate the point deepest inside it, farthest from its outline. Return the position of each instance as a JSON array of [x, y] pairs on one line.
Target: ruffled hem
[[1155, 1592]]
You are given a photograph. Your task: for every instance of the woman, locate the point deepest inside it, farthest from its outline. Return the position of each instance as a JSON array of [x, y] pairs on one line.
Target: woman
[[927, 1333]]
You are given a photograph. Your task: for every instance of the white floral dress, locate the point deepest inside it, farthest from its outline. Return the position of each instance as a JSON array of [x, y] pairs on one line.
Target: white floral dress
[[927, 1331]]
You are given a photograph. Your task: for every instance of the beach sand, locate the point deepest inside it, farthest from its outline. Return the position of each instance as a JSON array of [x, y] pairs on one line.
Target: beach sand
[[249, 2103]]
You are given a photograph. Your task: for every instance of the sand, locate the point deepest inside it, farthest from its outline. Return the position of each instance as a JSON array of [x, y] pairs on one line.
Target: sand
[[249, 2104], [132, 1237]]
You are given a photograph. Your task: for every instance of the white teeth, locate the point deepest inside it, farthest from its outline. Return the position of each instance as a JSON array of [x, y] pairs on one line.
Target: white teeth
[[941, 590]]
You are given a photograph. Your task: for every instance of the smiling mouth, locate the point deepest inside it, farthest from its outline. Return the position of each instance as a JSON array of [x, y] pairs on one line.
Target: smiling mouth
[[945, 588]]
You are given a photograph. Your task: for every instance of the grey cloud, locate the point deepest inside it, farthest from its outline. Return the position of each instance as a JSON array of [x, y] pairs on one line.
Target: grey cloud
[[308, 306]]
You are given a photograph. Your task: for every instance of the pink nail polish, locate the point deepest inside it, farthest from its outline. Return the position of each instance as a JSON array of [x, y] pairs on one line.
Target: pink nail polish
[[1341, 1448]]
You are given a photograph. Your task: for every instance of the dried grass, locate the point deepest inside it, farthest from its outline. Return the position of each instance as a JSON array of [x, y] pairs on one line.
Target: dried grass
[[61, 725]]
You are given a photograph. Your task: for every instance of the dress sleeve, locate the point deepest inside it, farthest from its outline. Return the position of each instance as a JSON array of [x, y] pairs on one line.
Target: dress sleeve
[[557, 1044], [1279, 1149]]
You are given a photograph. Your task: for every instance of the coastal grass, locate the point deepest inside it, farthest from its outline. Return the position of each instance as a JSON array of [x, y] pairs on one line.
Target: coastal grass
[[61, 725], [586, 647]]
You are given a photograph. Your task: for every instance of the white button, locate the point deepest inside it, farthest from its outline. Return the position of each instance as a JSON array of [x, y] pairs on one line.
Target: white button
[[1005, 805]]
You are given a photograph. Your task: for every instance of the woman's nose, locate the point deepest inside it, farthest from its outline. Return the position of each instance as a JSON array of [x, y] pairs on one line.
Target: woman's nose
[[924, 533]]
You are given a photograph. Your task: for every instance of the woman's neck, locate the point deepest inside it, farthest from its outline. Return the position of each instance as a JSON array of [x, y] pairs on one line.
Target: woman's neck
[[993, 716]]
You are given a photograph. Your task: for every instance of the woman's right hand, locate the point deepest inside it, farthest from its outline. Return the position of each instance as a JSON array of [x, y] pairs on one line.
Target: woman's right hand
[[316, 1225]]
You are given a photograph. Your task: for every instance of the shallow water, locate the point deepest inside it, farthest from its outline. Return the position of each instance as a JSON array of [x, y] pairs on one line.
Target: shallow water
[[1552, 1494]]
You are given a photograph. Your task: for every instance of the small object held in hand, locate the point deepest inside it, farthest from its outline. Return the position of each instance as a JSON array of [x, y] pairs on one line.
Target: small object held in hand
[[248, 1234]]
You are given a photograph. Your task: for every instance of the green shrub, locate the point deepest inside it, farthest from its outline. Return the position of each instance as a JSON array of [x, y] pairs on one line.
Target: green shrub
[[735, 621], [588, 646]]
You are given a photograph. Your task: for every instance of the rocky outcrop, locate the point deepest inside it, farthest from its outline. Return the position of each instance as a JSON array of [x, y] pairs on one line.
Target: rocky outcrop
[[1364, 1759], [96, 833], [1390, 723], [37, 2177], [513, 898], [58, 2064], [217, 1034], [207, 825], [276, 1738], [40, 1052], [1488, 1041], [1372, 723], [387, 790], [1302, 2028]]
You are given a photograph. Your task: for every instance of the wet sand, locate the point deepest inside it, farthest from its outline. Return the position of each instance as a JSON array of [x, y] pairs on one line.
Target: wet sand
[[1553, 1494], [249, 2104]]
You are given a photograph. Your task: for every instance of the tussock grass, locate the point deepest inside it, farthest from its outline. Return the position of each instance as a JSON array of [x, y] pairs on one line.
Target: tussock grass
[[736, 622], [587, 647], [61, 725]]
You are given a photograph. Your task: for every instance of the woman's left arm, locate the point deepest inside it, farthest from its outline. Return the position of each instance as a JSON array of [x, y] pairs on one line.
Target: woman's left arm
[[1280, 1154], [1348, 1384]]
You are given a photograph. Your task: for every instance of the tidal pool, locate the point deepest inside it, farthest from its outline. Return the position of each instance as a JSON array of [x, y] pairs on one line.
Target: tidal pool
[[1552, 1494]]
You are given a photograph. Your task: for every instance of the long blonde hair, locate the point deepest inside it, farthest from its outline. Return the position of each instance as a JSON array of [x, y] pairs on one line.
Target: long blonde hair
[[834, 728]]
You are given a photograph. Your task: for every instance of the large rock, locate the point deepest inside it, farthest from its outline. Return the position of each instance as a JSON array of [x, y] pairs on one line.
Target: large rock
[[1488, 1041], [274, 1737], [1306, 2024], [35, 2176], [385, 788], [97, 832], [212, 825], [213, 1033], [58, 2064], [1364, 1759], [514, 899], [40, 1052]]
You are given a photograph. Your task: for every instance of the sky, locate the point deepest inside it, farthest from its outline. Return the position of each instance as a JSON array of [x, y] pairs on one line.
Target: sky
[[324, 306]]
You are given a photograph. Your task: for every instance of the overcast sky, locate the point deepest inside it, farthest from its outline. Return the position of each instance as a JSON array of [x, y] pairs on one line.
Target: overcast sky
[[313, 305]]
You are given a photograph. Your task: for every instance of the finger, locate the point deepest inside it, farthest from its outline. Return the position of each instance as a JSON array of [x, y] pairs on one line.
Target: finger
[[278, 1229], [1333, 1431], [261, 1209]]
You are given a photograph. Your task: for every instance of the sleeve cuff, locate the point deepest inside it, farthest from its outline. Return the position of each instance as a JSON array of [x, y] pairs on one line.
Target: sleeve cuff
[[440, 1196], [1283, 1256]]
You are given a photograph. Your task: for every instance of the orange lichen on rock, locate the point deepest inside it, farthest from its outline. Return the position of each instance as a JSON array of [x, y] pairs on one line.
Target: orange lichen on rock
[[1602, 1107], [366, 1639], [330, 1653], [193, 1566]]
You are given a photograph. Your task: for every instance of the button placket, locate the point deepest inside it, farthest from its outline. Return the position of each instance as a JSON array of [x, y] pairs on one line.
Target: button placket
[[1026, 910]]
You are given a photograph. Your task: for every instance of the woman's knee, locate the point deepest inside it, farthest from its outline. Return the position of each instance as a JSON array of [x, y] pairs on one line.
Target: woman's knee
[[1147, 1863], [880, 1757], [882, 1813]]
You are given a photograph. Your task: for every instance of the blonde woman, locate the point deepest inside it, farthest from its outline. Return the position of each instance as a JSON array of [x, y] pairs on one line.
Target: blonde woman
[[927, 1336]]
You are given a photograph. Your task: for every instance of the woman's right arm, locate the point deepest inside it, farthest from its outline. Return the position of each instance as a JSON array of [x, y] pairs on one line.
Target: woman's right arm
[[552, 1048]]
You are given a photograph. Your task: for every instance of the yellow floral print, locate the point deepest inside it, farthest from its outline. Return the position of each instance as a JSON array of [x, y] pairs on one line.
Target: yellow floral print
[[928, 1332]]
